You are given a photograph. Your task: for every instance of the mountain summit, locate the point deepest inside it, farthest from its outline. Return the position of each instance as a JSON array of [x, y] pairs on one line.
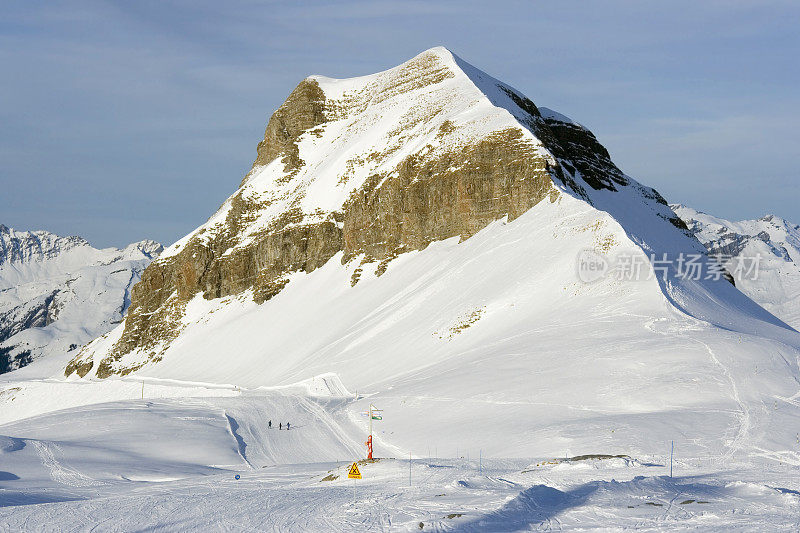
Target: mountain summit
[[28, 246], [416, 232]]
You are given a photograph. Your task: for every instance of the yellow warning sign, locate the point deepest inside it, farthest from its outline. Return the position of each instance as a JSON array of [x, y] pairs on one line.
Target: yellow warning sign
[[354, 473]]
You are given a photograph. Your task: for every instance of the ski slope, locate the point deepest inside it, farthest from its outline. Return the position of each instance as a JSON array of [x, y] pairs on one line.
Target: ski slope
[[171, 464]]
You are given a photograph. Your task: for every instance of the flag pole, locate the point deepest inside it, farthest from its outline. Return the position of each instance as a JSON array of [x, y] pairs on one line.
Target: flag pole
[[370, 422]]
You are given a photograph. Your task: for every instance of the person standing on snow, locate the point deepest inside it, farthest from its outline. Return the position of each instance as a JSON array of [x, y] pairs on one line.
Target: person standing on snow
[[269, 425], [287, 426], [280, 425]]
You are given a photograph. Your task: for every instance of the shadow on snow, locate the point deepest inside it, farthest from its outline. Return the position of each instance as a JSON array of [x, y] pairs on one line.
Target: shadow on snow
[[541, 503]]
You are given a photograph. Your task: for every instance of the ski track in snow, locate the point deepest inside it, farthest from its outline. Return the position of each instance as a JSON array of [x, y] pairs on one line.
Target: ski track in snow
[[743, 430], [743, 419], [58, 472], [323, 416]]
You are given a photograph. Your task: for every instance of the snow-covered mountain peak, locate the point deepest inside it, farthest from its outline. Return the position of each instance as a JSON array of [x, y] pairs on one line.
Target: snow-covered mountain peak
[[709, 228], [366, 172], [26, 246], [147, 247], [770, 242], [332, 136]]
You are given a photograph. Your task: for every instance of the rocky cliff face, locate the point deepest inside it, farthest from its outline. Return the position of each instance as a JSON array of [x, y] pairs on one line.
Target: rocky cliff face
[[371, 167]]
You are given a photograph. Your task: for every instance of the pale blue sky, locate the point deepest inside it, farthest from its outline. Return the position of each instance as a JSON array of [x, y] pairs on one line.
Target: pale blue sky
[[131, 120]]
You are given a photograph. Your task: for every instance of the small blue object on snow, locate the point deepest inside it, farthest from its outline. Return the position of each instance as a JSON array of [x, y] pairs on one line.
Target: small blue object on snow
[[237, 476]]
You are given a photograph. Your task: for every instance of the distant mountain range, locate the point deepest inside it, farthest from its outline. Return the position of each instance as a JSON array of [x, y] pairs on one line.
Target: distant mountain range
[[57, 293], [771, 241]]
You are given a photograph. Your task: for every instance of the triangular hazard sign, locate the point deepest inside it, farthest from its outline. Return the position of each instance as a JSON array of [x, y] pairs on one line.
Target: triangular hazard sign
[[354, 473]]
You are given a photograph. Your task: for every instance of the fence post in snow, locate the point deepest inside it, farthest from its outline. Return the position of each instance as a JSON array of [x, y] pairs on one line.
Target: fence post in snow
[[671, 449]]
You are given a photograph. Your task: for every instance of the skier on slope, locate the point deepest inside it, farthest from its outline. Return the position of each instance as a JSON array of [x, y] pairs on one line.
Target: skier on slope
[[280, 425], [287, 426], [269, 424]]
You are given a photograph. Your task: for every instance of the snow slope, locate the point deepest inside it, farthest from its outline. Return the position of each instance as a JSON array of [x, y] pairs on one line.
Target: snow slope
[[774, 241], [172, 464], [57, 293]]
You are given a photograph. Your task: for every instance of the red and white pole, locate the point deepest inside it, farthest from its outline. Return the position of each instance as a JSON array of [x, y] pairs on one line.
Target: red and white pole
[[369, 439]]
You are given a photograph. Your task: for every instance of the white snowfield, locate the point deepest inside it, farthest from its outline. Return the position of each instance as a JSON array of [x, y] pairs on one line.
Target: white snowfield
[[58, 293], [493, 363], [170, 464]]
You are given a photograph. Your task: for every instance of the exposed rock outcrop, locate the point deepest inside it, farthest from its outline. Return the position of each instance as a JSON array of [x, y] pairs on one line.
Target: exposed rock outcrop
[[303, 110]]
